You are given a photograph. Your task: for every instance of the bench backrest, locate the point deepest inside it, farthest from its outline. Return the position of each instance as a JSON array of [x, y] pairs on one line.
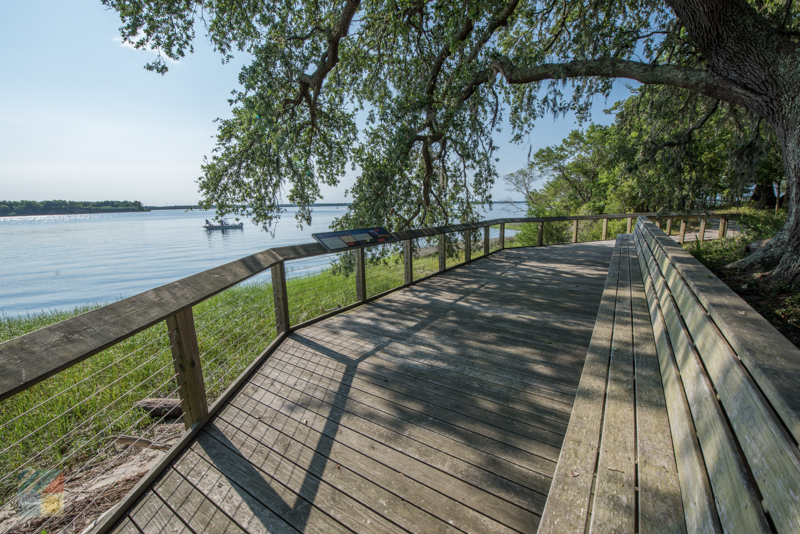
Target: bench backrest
[[732, 386]]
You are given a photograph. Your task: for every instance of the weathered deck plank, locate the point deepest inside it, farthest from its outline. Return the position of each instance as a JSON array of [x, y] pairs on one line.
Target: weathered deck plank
[[615, 494], [467, 389], [385, 383], [436, 459], [659, 486], [511, 378], [441, 407], [571, 494], [454, 393]]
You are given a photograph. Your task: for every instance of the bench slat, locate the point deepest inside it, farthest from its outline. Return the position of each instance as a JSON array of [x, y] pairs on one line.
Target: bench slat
[[660, 505], [737, 504], [771, 359], [567, 504], [615, 495], [698, 501], [771, 455]]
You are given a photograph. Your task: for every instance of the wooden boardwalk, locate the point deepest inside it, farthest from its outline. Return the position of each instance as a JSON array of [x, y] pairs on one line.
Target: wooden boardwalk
[[441, 407]]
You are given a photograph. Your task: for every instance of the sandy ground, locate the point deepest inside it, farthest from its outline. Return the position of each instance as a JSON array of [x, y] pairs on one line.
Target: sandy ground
[[89, 493]]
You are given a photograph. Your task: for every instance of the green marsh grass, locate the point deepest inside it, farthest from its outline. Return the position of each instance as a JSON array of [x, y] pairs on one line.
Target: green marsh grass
[[68, 421]]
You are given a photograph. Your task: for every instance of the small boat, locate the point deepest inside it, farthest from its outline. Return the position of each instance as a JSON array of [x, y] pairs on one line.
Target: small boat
[[224, 225]]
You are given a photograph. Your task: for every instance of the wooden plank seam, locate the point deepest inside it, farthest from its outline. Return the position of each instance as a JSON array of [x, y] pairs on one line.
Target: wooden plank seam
[[698, 502], [569, 502]]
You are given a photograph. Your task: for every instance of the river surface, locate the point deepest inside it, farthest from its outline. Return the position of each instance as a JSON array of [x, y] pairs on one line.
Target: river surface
[[58, 262]]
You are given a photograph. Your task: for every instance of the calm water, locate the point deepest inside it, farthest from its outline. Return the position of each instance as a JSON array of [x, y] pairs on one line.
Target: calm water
[[63, 261]]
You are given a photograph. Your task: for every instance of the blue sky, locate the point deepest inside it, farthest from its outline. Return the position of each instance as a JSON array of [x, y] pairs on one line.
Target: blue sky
[[82, 120]]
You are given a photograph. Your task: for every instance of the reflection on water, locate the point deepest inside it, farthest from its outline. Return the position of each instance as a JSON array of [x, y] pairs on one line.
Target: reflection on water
[[63, 261]]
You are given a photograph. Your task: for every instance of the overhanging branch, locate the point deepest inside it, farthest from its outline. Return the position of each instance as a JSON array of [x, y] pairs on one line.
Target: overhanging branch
[[699, 80]]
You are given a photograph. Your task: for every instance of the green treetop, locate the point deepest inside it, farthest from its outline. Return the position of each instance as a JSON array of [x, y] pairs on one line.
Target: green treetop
[[435, 79]]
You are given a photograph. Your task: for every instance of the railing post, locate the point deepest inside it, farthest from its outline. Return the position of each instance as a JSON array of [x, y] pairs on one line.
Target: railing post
[[486, 240], [361, 276], [669, 226], [408, 261], [467, 246], [702, 235], [723, 228], [186, 357], [280, 296], [575, 231], [605, 229], [442, 252], [682, 235], [540, 237], [502, 236], [630, 222]]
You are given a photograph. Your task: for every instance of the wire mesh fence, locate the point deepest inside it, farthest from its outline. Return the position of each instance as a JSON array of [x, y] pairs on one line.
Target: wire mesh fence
[[454, 248], [615, 227], [590, 230], [512, 239], [477, 243], [494, 238], [74, 444], [557, 232], [67, 441], [233, 328], [426, 257], [315, 288], [384, 269]]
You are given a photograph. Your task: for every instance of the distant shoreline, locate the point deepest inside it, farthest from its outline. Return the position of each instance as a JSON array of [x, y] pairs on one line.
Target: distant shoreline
[[75, 211], [88, 211], [35, 208], [214, 207]]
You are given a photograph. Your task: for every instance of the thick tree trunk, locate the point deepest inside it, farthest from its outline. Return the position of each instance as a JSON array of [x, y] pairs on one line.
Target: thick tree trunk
[[782, 254], [742, 47]]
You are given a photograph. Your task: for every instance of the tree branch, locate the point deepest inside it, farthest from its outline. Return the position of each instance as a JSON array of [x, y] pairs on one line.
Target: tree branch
[[687, 135], [787, 14], [699, 80]]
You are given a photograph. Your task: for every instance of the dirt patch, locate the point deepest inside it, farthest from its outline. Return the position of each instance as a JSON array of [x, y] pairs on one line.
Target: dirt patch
[[780, 307], [91, 492]]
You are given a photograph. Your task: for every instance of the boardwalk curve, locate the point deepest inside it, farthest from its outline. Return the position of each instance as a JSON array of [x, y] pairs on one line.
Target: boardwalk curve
[[438, 408]]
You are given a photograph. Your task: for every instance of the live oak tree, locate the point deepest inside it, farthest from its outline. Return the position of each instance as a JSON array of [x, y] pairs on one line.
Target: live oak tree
[[684, 151], [434, 79], [668, 150]]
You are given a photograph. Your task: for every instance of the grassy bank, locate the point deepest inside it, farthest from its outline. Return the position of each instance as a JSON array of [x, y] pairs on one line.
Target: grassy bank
[[68, 421], [756, 225]]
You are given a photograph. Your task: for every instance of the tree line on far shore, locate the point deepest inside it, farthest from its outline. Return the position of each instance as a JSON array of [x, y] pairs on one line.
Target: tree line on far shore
[[12, 208]]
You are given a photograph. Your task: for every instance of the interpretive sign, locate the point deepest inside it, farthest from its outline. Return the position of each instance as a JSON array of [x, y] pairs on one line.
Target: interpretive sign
[[339, 241]]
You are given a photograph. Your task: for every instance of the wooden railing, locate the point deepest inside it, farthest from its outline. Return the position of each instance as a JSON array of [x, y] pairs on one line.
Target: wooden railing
[[32, 358], [29, 359]]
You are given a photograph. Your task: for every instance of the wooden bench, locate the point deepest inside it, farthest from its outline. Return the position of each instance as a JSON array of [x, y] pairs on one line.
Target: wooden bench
[[687, 415]]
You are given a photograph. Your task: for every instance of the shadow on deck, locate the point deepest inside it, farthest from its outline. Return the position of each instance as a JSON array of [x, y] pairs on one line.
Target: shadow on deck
[[440, 407]]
